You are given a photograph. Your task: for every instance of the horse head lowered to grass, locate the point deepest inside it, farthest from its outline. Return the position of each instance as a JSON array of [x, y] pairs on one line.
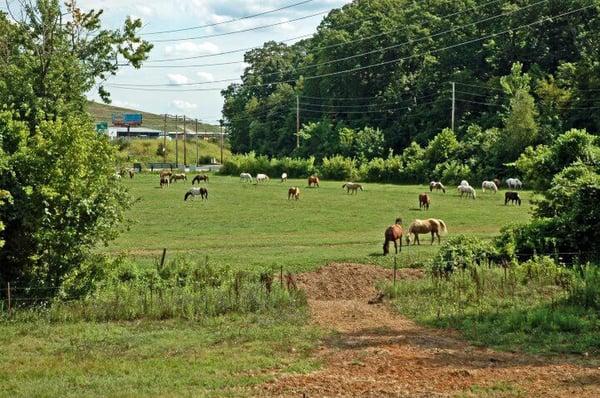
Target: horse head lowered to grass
[[393, 233]]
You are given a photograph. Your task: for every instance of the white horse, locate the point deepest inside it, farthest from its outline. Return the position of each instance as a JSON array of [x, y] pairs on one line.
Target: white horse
[[468, 190], [464, 183], [514, 183], [284, 177], [202, 192], [246, 177], [262, 178], [437, 186], [352, 187], [491, 185]]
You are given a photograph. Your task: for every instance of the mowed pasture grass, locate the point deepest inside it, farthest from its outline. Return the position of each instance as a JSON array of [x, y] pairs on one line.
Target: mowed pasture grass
[[254, 225]]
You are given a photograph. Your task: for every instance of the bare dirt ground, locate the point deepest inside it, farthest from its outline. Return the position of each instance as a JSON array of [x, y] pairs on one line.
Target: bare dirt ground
[[376, 353]]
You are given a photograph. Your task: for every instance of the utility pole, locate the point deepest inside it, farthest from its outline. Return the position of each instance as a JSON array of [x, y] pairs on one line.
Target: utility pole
[[184, 147], [165, 140], [297, 121], [176, 141], [221, 122], [197, 153], [453, 103]]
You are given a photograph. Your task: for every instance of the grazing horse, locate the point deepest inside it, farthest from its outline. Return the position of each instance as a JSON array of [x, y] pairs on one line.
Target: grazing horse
[[352, 186], [512, 197], [437, 186], [202, 192], [431, 225], [497, 182], [176, 177], [246, 177], [424, 201], [393, 233], [262, 178], [164, 180], [166, 173], [468, 190], [514, 183], [489, 185], [284, 177], [313, 180], [294, 192], [464, 183], [200, 177]]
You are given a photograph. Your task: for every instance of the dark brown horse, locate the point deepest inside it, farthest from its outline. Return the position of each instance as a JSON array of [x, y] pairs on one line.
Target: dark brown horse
[[424, 201], [198, 178], [313, 180], [512, 197], [393, 233], [497, 182]]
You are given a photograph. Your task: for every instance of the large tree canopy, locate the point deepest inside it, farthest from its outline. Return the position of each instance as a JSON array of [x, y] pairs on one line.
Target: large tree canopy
[[417, 47]]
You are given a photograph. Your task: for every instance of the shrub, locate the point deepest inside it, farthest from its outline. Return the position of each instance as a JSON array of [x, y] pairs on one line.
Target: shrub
[[339, 168], [461, 252]]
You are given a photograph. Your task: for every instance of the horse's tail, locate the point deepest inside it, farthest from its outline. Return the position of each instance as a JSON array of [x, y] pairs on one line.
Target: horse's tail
[[187, 195], [443, 225]]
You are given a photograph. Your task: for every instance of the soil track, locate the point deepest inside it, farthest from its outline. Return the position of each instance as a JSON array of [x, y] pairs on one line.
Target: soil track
[[376, 353]]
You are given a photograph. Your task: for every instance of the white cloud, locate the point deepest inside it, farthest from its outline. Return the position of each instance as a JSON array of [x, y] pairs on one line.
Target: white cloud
[[205, 77], [126, 104], [190, 49], [183, 105], [177, 79], [145, 10]]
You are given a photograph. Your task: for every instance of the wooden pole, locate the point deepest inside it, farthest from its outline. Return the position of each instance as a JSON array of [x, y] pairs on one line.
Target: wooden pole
[[165, 140], [162, 259], [297, 121], [395, 268], [453, 103], [197, 146], [176, 143], [281, 276], [184, 146]]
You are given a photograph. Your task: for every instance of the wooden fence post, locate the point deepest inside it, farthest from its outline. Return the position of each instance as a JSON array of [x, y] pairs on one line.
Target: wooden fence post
[[395, 268], [281, 276], [162, 259]]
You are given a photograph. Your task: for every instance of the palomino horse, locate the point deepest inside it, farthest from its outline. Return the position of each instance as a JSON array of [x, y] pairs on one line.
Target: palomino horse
[[202, 192], [424, 201], [393, 233], [491, 185], [262, 178], [468, 190], [200, 177], [438, 186], [514, 183], [246, 177], [176, 177], [352, 186], [294, 192], [284, 177], [313, 180], [432, 225], [164, 180]]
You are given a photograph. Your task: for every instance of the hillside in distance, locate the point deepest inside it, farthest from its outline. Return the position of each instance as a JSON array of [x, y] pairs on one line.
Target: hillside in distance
[[103, 113]]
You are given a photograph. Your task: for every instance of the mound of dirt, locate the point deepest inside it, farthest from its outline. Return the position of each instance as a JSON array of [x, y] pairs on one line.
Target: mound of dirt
[[346, 281]]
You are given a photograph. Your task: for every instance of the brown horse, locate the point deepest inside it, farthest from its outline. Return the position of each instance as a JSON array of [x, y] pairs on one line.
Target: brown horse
[[176, 177], [393, 233], [313, 180], [198, 178], [497, 182], [294, 192], [164, 180], [424, 201], [431, 225], [166, 173]]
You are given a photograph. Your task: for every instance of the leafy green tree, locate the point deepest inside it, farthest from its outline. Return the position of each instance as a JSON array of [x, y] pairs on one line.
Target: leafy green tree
[[64, 196], [369, 143]]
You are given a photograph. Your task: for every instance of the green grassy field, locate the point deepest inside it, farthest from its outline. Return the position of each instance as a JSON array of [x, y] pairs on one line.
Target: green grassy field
[[247, 226]]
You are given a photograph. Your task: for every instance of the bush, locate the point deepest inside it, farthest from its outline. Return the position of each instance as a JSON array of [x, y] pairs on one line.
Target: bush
[[339, 168], [461, 252], [586, 290]]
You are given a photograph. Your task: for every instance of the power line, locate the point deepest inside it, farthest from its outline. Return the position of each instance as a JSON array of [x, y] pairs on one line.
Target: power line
[[356, 69], [242, 30], [412, 41], [230, 20]]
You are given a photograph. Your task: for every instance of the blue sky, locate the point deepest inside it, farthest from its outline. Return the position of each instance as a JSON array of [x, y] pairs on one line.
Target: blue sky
[[160, 15]]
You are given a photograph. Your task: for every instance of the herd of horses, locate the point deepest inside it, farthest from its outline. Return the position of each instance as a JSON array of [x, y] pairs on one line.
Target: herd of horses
[[394, 233]]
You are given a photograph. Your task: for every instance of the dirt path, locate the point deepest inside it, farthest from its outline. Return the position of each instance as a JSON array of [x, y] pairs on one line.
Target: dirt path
[[375, 353]]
